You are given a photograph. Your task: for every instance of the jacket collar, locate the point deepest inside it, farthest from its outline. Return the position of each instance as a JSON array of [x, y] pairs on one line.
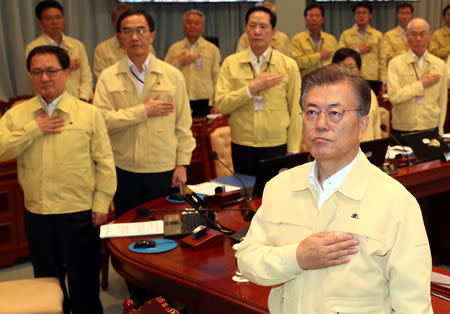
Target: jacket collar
[[247, 56], [353, 186], [63, 103]]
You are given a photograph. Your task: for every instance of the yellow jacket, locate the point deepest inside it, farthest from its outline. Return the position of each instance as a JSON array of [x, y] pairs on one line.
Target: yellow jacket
[[80, 80], [200, 82], [390, 271], [109, 52], [373, 64], [279, 123], [440, 43], [280, 41], [65, 172], [140, 143], [373, 131], [304, 52], [404, 87], [394, 43]]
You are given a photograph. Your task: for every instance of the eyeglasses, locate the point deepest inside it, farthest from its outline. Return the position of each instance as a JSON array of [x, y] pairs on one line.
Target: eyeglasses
[[420, 35], [349, 67], [333, 114], [48, 18], [50, 72], [128, 32]]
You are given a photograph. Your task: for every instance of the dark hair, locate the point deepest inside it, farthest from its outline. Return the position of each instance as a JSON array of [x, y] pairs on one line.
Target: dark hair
[[273, 17], [312, 6], [120, 8], [335, 74], [445, 9], [60, 53], [343, 53], [130, 12], [363, 4], [46, 4], [403, 5]]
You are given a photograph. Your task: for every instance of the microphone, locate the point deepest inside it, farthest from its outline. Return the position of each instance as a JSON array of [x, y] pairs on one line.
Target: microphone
[[384, 128], [247, 196]]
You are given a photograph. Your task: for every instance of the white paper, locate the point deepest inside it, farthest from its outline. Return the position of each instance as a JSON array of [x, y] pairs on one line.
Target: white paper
[[208, 188], [440, 279], [132, 229]]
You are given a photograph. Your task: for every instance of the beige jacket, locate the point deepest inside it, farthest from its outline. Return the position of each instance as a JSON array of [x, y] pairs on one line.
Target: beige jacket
[[80, 80], [391, 270], [65, 172], [440, 43], [140, 143], [394, 43]]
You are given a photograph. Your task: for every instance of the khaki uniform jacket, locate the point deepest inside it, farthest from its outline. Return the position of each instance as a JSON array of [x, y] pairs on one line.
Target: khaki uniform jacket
[[373, 131], [440, 43], [80, 80], [64, 172], [394, 43], [373, 64], [202, 80], [280, 41], [109, 52], [403, 88], [279, 123], [391, 269], [140, 143], [304, 52]]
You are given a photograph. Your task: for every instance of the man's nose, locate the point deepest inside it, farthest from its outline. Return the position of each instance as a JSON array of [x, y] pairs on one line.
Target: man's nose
[[322, 121]]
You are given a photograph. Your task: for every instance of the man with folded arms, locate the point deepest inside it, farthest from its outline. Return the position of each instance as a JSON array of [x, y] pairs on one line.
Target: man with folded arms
[[417, 84], [337, 235], [65, 167]]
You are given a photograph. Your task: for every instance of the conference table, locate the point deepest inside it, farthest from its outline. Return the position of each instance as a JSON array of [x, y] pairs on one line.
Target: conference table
[[202, 279]]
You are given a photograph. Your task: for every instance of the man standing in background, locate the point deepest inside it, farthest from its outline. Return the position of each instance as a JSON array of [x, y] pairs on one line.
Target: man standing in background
[[367, 41], [111, 50], [440, 41], [50, 17], [395, 41], [197, 58], [417, 84], [260, 89], [313, 48]]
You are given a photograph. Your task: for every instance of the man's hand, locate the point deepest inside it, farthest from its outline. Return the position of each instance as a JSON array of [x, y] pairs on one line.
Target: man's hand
[[325, 249], [155, 107], [364, 48], [74, 64], [429, 79], [185, 59], [324, 54], [49, 124], [98, 219], [263, 81], [179, 174]]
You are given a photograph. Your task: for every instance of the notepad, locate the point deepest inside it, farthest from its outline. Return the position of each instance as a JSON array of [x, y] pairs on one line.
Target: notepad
[[132, 229]]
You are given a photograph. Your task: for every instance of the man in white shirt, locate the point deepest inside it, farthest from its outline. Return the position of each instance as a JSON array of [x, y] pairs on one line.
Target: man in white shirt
[[327, 237]]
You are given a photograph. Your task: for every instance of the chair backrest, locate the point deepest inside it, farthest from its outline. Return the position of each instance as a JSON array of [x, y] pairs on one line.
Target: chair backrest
[[220, 140]]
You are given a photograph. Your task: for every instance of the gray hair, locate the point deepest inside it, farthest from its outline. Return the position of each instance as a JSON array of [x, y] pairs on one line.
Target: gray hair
[[334, 74], [414, 20], [196, 12]]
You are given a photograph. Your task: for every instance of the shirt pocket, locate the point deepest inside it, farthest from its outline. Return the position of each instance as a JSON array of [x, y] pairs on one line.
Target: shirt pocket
[[368, 305], [120, 97]]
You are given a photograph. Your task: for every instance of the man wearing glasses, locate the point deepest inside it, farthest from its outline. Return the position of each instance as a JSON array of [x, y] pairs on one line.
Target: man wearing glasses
[[50, 17], [338, 235], [146, 109], [66, 170], [417, 84]]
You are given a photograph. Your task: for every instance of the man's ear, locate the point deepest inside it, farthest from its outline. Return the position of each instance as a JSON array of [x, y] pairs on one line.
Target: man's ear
[[363, 124]]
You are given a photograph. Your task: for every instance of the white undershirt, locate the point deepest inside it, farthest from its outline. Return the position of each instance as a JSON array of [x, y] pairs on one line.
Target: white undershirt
[[329, 185], [140, 80], [50, 108]]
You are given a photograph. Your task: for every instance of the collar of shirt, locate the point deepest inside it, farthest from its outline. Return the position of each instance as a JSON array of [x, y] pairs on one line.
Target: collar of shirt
[[139, 77], [363, 34], [315, 39], [420, 60], [192, 47], [53, 43], [50, 108], [258, 62], [329, 185]]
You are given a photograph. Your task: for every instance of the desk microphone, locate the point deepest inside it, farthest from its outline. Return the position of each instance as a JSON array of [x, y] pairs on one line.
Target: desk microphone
[[247, 196], [384, 128]]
